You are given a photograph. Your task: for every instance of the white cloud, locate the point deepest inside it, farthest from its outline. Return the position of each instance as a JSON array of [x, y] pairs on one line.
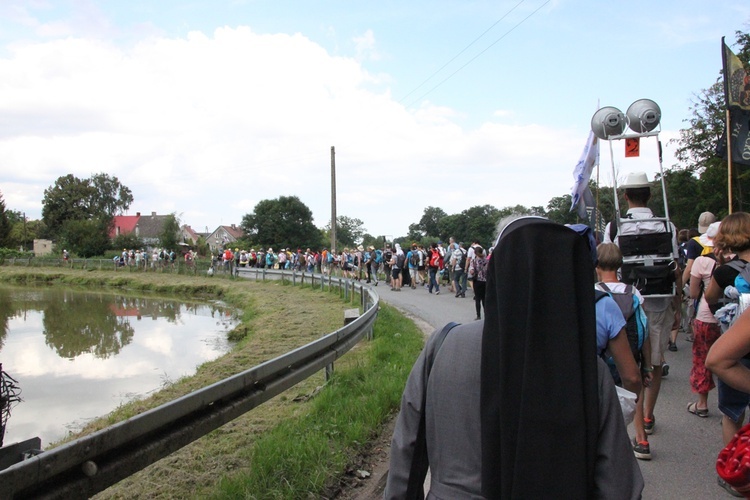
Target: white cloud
[[210, 124], [365, 46]]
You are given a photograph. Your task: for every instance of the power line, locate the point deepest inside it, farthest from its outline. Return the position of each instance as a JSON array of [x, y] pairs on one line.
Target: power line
[[479, 54], [462, 51]]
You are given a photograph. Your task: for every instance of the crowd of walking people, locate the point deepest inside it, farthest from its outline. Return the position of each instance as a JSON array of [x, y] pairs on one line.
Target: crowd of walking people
[[156, 259], [458, 265], [609, 332], [609, 336]]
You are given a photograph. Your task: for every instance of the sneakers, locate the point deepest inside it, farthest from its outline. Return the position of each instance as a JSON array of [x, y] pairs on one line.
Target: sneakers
[[437, 293], [664, 369], [641, 450], [672, 346], [728, 487], [649, 424]]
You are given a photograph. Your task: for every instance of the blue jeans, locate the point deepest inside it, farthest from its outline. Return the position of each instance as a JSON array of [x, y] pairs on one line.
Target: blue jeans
[[459, 279], [433, 280], [732, 402]]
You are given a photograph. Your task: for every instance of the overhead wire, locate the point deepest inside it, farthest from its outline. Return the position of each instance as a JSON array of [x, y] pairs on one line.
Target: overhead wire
[[461, 52], [477, 55]]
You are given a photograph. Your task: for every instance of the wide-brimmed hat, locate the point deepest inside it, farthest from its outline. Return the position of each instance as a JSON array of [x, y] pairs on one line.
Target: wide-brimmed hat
[[704, 220], [636, 180]]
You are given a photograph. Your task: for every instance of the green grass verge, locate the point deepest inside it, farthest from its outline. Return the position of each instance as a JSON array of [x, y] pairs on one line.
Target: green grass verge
[[299, 457], [286, 448]]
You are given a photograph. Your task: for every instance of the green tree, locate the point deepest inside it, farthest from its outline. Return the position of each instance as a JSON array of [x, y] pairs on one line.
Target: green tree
[[109, 195], [201, 246], [415, 233], [283, 222], [349, 231], [170, 232], [696, 153], [683, 194], [370, 240], [452, 225], [5, 225], [66, 200], [429, 224], [129, 240], [558, 210], [481, 224], [85, 237], [24, 232], [71, 198]]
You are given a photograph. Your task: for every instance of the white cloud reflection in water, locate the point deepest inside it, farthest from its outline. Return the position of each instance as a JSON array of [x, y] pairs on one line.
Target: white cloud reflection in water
[[60, 394]]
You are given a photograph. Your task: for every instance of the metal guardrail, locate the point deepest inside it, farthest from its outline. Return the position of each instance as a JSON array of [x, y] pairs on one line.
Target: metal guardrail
[[92, 463]]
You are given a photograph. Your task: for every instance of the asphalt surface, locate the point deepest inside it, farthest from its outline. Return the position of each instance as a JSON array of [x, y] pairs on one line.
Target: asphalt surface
[[683, 446]]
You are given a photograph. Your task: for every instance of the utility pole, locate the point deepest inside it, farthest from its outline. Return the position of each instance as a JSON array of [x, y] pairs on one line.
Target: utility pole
[[333, 199]]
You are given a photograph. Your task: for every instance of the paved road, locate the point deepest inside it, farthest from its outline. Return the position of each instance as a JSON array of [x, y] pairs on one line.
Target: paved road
[[684, 446]]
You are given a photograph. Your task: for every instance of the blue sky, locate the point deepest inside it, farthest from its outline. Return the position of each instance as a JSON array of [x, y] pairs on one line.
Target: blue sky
[[206, 108]]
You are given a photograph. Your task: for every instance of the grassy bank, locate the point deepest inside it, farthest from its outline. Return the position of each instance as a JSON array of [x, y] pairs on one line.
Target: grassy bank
[[294, 446]]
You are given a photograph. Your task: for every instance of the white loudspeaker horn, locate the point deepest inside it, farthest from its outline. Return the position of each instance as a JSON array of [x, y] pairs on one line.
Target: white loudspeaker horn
[[643, 115], [608, 121]]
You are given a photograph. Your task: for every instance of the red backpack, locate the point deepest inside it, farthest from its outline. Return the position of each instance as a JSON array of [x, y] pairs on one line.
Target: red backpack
[[436, 260]]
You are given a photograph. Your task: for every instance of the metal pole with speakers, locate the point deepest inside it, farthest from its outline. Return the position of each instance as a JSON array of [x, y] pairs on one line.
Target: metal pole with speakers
[[648, 258]]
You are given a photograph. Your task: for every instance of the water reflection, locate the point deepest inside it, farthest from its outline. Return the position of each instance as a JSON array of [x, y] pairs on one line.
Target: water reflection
[[77, 355]]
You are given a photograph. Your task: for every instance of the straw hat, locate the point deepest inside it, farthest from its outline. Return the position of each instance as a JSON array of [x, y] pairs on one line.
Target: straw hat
[[636, 180]]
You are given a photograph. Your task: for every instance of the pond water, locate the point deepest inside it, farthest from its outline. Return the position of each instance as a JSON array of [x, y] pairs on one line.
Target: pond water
[[77, 355]]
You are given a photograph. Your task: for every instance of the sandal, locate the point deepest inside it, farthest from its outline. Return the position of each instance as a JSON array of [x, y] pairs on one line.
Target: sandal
[[693, 408]]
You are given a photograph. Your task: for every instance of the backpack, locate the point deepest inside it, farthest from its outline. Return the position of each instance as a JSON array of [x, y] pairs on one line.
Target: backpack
[[400, 259], [388, 255], [462, 259], [635, 318], [378, 256], [706, 248], [414, 259], [436, 259], [738, 299]]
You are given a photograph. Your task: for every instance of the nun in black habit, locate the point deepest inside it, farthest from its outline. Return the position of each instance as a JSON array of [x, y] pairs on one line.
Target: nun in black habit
[[519, 405]]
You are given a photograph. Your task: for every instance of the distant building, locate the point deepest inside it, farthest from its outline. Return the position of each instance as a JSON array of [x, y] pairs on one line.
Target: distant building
[[42, 247], [188, 235], [146, 227], [223, 236]]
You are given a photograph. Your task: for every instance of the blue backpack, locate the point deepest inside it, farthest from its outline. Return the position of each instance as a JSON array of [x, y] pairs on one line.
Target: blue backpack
[[734, 303], [378, 256], [742, 281], [636, 324]]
